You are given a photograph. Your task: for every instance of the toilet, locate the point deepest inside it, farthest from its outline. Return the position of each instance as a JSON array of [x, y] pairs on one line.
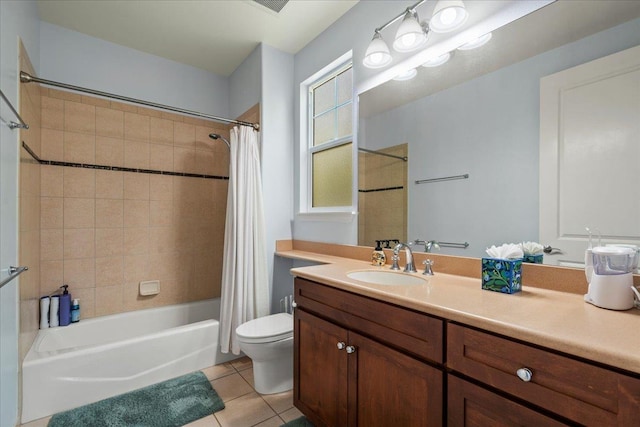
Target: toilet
[[268, 341]]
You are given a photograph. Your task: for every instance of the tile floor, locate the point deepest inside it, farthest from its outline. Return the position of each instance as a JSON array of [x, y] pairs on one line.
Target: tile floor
[[244, 407]]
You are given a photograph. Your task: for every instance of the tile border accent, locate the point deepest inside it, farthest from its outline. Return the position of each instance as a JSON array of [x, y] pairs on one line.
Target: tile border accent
[[117, 168]]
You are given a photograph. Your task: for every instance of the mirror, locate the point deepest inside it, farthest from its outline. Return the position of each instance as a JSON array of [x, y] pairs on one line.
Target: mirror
[[470, 129]]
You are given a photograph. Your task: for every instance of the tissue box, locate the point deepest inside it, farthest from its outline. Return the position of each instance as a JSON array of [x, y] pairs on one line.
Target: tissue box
[[533, 259], [502, 275]]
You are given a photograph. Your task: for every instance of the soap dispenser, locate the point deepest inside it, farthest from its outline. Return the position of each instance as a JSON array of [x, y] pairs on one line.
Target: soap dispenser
[[378, 257], [65, 306]]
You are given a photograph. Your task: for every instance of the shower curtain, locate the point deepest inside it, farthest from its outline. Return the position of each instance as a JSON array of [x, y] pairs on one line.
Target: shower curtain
[[245, 279]]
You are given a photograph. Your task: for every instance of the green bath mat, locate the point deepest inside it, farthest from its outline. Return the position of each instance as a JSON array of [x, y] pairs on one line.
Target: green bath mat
[[175, 402], [298, 422]]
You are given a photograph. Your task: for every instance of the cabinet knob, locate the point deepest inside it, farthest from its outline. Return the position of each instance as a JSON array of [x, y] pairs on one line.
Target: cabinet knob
[[524, 374], [341, 345], [351, 349]]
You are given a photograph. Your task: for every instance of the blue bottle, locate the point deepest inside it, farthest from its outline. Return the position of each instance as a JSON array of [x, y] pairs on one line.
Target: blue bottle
[[65, 307]]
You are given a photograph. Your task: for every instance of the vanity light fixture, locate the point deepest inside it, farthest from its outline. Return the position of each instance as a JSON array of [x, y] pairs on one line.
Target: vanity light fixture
[[448, 15], [438, 60], [406, 75], [473, 44]]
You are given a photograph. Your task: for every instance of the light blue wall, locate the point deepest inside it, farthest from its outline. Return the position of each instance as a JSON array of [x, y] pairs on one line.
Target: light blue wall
[[246, 84], [17, 19], [487, 127], [75, 58]]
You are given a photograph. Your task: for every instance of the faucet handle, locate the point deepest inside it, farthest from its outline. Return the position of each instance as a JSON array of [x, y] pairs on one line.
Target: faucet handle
[[428, 271], [395, 258]]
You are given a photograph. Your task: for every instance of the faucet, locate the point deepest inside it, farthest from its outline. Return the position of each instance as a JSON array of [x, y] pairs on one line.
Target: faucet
[[428, 245], [409, 267]]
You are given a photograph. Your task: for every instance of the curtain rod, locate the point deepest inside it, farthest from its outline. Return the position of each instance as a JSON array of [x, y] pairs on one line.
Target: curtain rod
[[27, 78], [403, 158]]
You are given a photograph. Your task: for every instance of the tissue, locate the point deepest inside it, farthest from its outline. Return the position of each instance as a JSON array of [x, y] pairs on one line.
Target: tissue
[[533, 252], [502, 271]]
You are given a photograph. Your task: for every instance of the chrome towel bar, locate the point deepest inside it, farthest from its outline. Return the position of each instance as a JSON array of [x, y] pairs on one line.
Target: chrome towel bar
[[13, 273], [12, 125], [444, 178]]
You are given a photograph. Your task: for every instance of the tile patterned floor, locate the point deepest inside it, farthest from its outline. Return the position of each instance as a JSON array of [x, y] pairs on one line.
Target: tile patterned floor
[[244, 407]]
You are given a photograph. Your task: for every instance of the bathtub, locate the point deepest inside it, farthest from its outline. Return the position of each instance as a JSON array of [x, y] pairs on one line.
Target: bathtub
[[84, 362]]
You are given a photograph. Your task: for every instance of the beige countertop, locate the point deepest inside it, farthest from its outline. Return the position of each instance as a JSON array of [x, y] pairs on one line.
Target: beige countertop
[[553, 319]]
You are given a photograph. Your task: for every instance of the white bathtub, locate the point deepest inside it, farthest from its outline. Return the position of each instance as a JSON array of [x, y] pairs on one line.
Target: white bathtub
[[84, 362]]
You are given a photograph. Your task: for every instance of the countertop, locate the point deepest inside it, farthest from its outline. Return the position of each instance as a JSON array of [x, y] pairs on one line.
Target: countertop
[[558, 320]]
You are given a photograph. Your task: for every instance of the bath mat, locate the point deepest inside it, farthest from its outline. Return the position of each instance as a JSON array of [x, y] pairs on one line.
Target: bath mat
[[175, 402], [298, 422]]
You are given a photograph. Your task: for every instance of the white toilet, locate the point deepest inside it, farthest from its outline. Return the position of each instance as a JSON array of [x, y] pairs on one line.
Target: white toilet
[[268, 341]]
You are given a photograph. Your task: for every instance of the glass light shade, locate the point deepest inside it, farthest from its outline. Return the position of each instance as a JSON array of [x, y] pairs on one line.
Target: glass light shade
[[438, 60], [410, 35], [407, 75], [473, 44], [377, 54], [448, 15]]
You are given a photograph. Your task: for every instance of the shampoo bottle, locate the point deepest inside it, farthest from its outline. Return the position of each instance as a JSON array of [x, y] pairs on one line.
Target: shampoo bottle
[[378, 257], [65, 306], [75, 311]]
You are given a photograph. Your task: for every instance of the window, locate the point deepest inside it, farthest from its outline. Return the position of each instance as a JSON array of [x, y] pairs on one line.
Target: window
[[329, 151]]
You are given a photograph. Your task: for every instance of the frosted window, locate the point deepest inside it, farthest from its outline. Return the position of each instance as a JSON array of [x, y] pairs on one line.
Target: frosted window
[[344, 87], [332, 177], [324, 128], [324, 97], [344, 120]]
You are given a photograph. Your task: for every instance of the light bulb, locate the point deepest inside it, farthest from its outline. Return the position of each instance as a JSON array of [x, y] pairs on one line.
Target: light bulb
[[476, 43], [377, 54], [438, 60], [410, 35], [406, 75], [448, 15]]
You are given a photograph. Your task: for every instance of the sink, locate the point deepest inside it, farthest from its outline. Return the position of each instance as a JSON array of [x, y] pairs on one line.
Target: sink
[[386, 277]]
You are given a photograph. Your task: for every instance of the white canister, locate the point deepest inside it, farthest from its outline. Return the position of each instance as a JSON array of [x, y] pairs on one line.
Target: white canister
[[44, 312], [54, 320]]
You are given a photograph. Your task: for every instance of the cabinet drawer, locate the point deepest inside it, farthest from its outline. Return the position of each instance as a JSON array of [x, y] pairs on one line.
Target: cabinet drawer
[[579, 391], [408, 330]]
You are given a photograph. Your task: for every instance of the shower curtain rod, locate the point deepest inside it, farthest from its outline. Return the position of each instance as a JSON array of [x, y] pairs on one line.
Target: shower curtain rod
[[28, 78], [403, 158]]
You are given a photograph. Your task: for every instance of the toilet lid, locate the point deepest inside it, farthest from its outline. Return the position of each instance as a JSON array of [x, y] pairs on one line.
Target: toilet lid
[[266, 329]]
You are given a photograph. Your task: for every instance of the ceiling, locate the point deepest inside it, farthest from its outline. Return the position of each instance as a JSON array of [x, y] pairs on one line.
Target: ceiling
[[215, 35]]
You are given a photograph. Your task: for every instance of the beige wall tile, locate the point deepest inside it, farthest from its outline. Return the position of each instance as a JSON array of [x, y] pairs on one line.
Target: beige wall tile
[[121, 106], [160, 213], [51, 244], [162, 239], [136, 154], [136, 186], [109, 300], [109, 151], [79, 182], [52, 113], [184, 135], [184, 160], [110, 271], [51, 210], [161, 131], [161, 157], [205, 162], [97, 102], [161, 187], [136, 268], [51, 181], [79, 117], [52, 144], [109, 241], [109, 184], [80, 273], [65, 95], [79, 213], [203, 142], [136, 213], [136, 241], [86, 298], [136, 127], [109, 213], [51, 276], [79, 148], [149, 112], [79, 243], [109, 123]]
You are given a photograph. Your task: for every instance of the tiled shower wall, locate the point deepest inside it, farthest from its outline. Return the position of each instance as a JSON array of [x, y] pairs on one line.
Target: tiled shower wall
[[104, 231], [382, 196]]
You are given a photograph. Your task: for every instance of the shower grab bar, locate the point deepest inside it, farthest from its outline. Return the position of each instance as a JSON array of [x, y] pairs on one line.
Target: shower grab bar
[[13, 273], [28, 78], [464, 245], [444, 178], [12, 125], [404, 159]]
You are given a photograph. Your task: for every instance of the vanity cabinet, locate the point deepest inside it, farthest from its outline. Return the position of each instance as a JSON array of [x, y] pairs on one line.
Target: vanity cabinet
[[362, 362]]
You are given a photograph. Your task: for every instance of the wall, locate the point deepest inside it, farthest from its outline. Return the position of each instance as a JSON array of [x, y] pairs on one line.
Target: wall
[[497, 146], [17, 19], [104, 231]]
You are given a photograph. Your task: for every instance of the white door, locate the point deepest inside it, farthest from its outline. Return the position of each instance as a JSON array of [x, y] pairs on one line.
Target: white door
[[590, 155]]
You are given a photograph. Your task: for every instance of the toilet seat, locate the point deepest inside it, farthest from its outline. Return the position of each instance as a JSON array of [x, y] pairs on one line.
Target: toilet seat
[[271, 328]]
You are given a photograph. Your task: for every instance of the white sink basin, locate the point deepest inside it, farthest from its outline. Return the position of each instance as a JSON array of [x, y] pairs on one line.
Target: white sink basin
[[386, 277]]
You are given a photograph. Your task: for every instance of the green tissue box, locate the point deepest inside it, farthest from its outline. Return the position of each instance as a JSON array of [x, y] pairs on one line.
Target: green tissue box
[[533, 259], [502, 275]]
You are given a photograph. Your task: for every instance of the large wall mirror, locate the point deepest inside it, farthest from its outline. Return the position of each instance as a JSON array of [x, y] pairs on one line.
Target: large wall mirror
[[460, 143]]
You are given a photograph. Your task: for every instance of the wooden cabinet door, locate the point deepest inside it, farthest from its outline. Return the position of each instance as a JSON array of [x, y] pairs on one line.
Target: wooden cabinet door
[[388, 388], [472, 406], [320, 370]]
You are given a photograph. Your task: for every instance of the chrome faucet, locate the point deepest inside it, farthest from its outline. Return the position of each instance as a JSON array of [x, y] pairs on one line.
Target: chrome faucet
[[428, 245], [409, 267]]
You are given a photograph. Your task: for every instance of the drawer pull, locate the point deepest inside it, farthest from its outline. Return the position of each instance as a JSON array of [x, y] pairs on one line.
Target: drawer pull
[[341, 345], [524, 374], [351, 349]]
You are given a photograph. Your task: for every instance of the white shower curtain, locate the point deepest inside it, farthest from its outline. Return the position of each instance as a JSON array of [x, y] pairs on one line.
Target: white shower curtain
[[245, 279]]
